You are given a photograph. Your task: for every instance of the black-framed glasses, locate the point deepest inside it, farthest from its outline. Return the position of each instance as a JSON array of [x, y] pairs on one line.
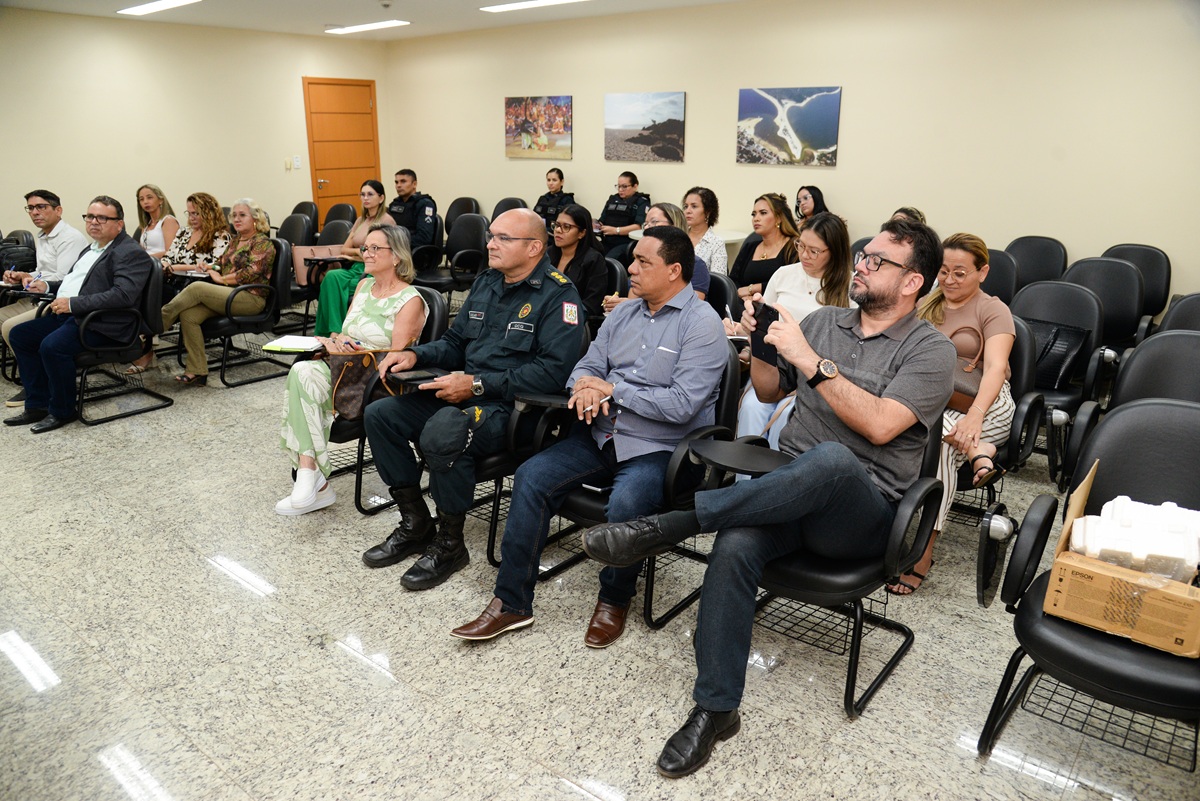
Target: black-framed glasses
[[99, 218], [874, 261], [504, 239], [371, 250], [37, 207], [566, 228]]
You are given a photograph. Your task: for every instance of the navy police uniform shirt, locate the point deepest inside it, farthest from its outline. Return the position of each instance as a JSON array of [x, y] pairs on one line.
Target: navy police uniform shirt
[[620, 212], [419, 215], [515, 338], [549, 206]]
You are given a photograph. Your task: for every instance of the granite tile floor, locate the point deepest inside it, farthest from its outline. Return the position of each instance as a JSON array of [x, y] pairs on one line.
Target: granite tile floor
[[167, 636]]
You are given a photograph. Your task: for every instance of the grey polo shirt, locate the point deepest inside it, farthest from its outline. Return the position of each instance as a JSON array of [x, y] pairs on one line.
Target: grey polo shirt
[[911, 362], [665, 369]]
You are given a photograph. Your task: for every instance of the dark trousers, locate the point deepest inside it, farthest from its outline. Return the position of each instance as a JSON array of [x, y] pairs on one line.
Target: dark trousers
[[539, 488], [824, 503], [46, 348], [392, 424]]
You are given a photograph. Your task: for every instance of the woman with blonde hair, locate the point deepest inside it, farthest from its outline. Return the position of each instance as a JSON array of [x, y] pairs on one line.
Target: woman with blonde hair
[[157, 220], [982, 330], [380, 316], [337, 286]]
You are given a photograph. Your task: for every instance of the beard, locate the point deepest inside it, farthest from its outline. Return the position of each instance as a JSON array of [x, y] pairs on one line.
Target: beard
[[874, 301]]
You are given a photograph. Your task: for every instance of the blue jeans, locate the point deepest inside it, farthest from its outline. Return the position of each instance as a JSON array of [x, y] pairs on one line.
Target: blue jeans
[[824, 503], [46, 348], [538, 491]]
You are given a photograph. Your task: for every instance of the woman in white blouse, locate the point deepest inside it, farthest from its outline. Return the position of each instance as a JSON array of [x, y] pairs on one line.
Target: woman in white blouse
[[157, 219], [700, 211]]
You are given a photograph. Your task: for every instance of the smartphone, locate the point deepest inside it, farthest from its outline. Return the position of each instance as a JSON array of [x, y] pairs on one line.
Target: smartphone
[[764, 315]]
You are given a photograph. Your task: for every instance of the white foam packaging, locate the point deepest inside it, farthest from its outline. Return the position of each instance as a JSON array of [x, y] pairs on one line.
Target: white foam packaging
[[1161, 540]]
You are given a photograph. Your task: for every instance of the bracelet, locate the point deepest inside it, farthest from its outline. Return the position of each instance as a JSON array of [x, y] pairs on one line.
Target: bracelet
[[976, 408]]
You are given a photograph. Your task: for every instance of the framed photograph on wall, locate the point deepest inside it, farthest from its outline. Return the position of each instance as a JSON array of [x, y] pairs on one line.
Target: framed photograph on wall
[[645, 126], [789, 126], [537, 127]]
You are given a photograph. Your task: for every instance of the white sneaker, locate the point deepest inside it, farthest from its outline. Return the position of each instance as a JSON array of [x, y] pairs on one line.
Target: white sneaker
[[324, 497], [304, 491]]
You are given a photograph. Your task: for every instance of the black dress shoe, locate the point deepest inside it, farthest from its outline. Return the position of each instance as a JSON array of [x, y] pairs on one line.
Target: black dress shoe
[[50, 422], [26, 417], [691, 746], [624, 544], [444, 557]]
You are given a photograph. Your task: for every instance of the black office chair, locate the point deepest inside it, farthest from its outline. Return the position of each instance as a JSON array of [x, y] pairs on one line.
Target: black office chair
[[1039, 258], [1149, 450], [20, 237], [342, 430], [1068, 325], [336, 232], [458, 207], [427, 257], [1001, 281], [466, 257], [1155, 267], [1121, 289], [225, 328], [722, 296], [308, 209], [618, 278], [340, 211], [297, 229], [508, 204], [859, 244], [92, 360], [1182, 315]]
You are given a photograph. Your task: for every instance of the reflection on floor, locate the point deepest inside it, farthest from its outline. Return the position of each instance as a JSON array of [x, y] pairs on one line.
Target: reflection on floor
[[166, 635]]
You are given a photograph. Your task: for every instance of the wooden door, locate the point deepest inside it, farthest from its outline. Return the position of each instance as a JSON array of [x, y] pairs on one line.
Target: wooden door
[[343, 139]]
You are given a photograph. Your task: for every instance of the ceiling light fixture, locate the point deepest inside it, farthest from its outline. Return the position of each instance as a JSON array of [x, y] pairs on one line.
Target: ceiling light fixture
[[370, 26], [158, 5], [527, 4]]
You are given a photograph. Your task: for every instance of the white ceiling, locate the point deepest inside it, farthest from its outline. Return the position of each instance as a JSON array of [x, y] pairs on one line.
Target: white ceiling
[[312, 17]]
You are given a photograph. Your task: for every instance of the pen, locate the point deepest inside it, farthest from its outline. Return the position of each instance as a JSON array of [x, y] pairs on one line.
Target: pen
[[603, 401], [728, 311]]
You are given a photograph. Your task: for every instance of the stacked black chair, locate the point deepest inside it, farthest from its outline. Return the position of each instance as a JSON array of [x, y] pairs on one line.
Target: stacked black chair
[[458, 207], [1039, 258], [297, 229], [340, 211], [1148, 450], [1001, 281], [465, 257], [309, 209], [508, 204], [1155, 267]]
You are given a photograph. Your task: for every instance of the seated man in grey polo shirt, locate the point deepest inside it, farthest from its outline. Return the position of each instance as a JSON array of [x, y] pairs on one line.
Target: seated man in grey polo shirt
[[871, 383]]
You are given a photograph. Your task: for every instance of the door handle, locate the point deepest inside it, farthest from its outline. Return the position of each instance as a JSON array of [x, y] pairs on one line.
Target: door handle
[[321, 183]]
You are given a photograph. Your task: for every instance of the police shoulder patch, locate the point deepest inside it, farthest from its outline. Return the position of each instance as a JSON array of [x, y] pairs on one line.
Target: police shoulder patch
[[571, 314]]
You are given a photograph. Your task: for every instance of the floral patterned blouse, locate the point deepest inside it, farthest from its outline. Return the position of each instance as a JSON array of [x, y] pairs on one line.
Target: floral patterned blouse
[[250, 261], [180, 253]]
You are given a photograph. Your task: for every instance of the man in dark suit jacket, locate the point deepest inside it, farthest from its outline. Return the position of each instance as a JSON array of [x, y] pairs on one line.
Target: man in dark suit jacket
[[110, 274]]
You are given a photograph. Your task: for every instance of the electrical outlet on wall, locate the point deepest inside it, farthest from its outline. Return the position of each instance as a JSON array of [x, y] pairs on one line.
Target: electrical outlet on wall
[[296, 162]]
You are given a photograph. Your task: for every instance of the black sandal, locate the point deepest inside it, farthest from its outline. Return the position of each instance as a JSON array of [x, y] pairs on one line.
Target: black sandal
[[990, 475], [194, 380], [903, 583]]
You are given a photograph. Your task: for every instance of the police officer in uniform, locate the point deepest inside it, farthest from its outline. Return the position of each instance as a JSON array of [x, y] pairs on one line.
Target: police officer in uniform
[[413, 210], [552, 203], [519, 331], [623, 213]]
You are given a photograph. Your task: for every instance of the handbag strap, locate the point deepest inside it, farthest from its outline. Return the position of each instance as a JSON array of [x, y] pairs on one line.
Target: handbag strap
[[974, 362]]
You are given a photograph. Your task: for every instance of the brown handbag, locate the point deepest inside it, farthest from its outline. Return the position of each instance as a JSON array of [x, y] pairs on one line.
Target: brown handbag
[[351, 375], [966, 378]]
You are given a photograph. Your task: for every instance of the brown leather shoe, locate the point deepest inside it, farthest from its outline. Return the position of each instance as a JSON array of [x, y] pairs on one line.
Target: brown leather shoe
[[606, 626], [492, 623]]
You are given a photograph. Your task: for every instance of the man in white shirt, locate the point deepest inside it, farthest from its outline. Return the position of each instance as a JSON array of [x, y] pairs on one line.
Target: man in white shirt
[[58, 245]]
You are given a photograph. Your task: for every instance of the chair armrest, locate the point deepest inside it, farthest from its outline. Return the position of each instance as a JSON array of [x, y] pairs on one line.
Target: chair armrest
[[1145, 328], [1091, 380], [133, 314], [426, 257], [1081, 428], [925, 495], [544, 401], [466, 263], [681, 462], [1026, 555], [1027, 419], [250, 318]]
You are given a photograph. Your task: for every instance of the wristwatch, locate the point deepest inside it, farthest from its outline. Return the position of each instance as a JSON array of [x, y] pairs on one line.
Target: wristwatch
[[476, 387], [825, 370]]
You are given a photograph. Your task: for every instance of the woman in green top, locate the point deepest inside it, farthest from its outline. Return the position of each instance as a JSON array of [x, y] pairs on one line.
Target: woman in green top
[[380, 317], [337, 286]]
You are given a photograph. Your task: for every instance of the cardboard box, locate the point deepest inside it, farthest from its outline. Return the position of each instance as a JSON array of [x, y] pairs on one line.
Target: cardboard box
[[1154, 611]]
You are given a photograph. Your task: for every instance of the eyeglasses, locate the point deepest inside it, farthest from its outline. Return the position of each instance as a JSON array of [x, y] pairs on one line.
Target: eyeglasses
[[99, 218], [371, 250], [944, 275], [623, 186], [810, 251], [874, 261], [564, 227], [504, 239], [654, 224], [38, 207]]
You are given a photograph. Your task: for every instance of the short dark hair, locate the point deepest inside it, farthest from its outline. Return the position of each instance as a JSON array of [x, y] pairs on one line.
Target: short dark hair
[[632, 178], [46, 195], [408, 172], [708, 202], [116, 204], [926, 245], [675, 247], [558, 171]]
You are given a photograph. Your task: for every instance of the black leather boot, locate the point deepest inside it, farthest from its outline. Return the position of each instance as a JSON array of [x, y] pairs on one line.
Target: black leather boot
[[445, 556], [413, 535]]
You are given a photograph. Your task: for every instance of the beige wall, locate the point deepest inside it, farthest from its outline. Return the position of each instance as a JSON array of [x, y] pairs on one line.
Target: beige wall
[[1076, 118]]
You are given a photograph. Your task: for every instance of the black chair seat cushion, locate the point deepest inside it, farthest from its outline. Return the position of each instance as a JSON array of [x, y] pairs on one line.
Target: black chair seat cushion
[[812, 579], [345, 430], [1068, 399], [584, 505], [108, 355], [217, 327], [1111, 668], [440, 280]]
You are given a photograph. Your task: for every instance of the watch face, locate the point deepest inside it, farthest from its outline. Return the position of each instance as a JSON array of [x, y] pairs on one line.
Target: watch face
[[828, 368]]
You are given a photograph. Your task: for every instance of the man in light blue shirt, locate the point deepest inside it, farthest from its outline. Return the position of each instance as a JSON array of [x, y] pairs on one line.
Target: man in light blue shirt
[[651, 376]]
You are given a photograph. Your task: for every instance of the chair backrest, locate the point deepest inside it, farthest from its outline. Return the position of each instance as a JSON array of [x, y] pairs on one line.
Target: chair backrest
[[1155, 267], [297, 229], [281, 277], [1039, 258], [859, 244], [618, 278], [438, 318], [19, 236], [1068, 324], [1183, 315], [150, 306], [467, 234], [335, 232], [508, 204], [458, 207], [308, 209], [729, 392], [340, 211], [1001, 281], [1161, 367], [1149, 450], [722, 296], [1022, 361], [1119, 285]]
